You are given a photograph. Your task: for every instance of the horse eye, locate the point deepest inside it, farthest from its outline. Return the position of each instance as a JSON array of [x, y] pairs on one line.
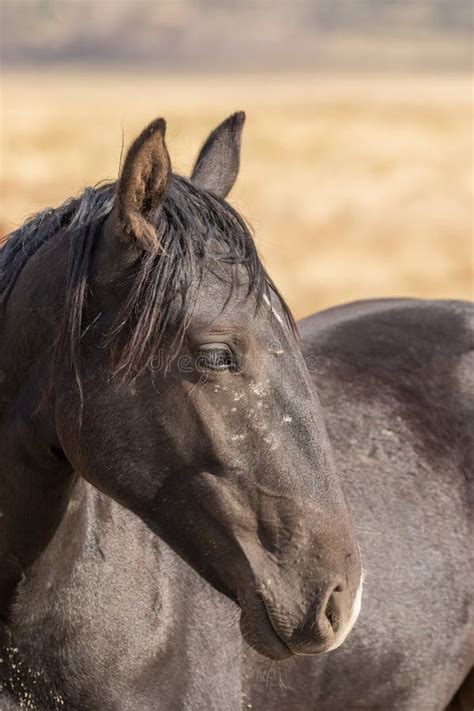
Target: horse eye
[[215, 358]]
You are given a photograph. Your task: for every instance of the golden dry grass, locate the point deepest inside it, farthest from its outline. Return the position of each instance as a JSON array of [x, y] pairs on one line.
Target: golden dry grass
[[356, 186]]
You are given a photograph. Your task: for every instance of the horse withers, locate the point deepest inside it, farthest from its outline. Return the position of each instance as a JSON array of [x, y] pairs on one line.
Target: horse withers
[[149, 365]]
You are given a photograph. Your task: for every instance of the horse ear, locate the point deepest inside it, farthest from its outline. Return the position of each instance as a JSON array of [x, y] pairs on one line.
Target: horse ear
[[218, 162], [142, 186]]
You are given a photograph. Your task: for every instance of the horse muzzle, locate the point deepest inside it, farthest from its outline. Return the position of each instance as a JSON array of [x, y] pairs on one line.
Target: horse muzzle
[[269, 625]]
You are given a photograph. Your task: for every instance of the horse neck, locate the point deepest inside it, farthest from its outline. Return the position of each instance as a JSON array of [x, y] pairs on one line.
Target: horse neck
[[35, 479], [34, 491]]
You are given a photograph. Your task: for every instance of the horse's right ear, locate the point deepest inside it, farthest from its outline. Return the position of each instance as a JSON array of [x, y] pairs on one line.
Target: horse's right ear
[[142, 187]]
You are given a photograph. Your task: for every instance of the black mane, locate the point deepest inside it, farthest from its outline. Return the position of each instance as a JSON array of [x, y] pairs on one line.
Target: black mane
[[195, 229]]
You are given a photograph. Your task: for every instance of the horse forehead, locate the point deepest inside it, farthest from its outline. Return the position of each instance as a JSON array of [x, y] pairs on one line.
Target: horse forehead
[[224, 291], [218, 297], [222, 277]]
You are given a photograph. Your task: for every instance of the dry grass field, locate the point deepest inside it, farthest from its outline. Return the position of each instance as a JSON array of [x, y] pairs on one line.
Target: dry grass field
[[356, 186]]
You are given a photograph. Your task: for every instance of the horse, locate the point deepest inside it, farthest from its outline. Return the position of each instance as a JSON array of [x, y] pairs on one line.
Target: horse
[[165, 460], [396, 381]]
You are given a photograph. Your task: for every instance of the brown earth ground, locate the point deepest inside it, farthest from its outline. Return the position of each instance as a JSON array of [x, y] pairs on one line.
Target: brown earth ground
[[356, 186]]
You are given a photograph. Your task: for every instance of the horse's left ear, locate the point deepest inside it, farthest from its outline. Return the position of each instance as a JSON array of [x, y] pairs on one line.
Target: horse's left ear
[[218, 162]]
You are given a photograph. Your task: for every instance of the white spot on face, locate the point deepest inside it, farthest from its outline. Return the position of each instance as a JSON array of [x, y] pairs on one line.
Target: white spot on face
[[258, 389], [237, 438], [271, 443], [277, 316], [287, 418]]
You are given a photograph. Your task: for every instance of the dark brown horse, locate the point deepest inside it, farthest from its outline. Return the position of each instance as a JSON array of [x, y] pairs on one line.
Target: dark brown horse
[[154, 400]]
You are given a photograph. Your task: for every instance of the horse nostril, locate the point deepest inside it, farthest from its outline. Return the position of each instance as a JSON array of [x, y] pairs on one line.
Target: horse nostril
[[332, 610], [329, 614]]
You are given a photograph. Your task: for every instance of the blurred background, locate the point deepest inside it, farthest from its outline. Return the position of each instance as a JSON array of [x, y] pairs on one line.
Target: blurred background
[[358, 150]]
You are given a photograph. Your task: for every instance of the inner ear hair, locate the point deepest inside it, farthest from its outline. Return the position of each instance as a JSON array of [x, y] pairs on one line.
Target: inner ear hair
[[142, 187]]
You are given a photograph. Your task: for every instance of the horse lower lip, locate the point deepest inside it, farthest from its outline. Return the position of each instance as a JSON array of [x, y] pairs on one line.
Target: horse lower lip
[[267, 641], [268, 644]]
